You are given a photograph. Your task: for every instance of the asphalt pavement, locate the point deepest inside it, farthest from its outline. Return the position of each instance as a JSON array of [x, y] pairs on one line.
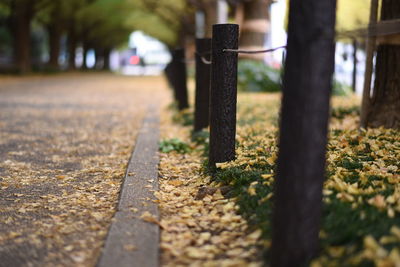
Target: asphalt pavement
[[65, 144]]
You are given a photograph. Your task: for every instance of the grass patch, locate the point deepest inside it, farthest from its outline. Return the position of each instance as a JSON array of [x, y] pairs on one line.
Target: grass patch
[[174, 144]]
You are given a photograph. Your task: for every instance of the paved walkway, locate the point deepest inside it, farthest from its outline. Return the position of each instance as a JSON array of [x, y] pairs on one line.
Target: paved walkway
[[65, 142]]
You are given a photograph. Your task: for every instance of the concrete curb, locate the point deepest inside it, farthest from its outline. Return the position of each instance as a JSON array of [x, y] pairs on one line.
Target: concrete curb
[[131, 241]]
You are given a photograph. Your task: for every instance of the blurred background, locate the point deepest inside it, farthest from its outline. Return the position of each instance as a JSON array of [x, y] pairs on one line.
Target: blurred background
[[135, 37]]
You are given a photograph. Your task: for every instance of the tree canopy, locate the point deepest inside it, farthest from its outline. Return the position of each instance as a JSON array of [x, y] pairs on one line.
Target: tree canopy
[[352, 14], [161, 19], [106, 24]]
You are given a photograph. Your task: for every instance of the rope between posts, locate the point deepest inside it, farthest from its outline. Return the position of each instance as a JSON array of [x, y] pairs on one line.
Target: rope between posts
[[241, 51], [205, 61], [208, 62], [203, 58]]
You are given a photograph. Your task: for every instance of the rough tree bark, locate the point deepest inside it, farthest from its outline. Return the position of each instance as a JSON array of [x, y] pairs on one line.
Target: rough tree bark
[[384, 109], [255, 26]]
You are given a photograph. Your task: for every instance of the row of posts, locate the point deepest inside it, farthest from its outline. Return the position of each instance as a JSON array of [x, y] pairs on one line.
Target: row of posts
[[216, 88], [307, 85]]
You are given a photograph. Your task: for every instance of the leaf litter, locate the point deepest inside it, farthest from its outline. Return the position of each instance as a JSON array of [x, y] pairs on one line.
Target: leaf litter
[[200, 227], [64, 145], [361, 193]]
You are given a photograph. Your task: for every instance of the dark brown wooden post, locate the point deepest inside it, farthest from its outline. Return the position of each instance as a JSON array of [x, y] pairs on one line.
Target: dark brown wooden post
[[354, 82], [223, 93], [179, 78], [307, 86], [203, 72], [169, 75]]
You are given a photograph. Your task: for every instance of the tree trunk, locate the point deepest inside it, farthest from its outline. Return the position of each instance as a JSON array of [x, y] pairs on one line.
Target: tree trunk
[[384, 109], [85, 51], [71, 48], [306, 90], [256, 25], [106, 58], [54, 45], [98, 55], [239, 16], [210, 11], [22, 16]]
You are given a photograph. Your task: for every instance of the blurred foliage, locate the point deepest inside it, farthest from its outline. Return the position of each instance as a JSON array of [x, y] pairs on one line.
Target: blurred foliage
[[341, 89], [104, 22], [161, 19], [255, 76], [350, 14], [174, 144], [184, 117], [4, 9], [5, 41]]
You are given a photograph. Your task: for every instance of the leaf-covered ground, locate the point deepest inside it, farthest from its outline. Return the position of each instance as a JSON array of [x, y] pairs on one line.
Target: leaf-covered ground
[[361, 216], [65, 142], [200, 227]]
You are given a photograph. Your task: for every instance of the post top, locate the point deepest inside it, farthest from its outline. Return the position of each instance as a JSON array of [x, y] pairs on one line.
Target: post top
[[225, 25]]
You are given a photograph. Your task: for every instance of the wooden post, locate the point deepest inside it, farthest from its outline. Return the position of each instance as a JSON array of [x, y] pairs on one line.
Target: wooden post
[[354, 84], [371, 43], [168, 75], [203, 72], [307, 87], [223, 93], [179, 78]]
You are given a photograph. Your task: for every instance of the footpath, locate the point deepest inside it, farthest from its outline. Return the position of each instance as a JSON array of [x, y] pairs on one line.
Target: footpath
[[65, 142]]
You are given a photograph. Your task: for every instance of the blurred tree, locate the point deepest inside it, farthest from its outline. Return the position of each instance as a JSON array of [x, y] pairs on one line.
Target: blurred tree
[[5, 33], [97, 24], [255, 26], [252, 16], [53, 16], [103, 26], [209, 9], [384, 107], [73, 29], [22, 13], [166, 20]]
